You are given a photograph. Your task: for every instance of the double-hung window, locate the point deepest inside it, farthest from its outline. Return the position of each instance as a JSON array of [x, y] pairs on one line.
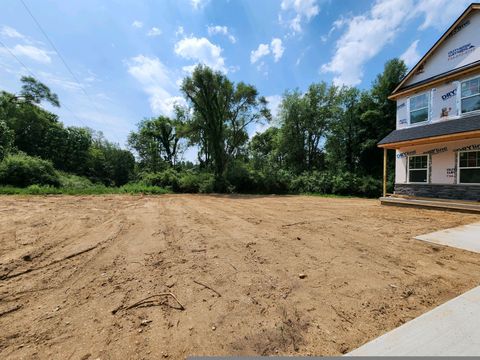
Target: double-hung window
[[469, 167], [419, 108], [418, 169], [470, 95]]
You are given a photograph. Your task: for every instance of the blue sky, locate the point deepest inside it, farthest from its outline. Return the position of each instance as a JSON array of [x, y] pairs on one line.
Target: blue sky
[[128, 57]]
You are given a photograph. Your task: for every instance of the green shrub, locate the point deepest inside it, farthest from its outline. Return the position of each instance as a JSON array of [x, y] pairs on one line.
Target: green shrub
[[71, 181], [191, 182], [240, 178], [139, 188], [340, 183], [135, 188], [344, 183], [370, 186], [315, 182], [22, 170], [42, 190], [207, 184], [273, 182], [168, 178], [30, 190]]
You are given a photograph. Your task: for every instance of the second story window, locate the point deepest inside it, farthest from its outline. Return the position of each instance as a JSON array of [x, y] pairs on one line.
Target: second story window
[[418, 109], [470, 93]]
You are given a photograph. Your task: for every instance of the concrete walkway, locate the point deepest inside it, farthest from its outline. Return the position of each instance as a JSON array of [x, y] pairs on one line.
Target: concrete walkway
[[451, 329], [465, 237]]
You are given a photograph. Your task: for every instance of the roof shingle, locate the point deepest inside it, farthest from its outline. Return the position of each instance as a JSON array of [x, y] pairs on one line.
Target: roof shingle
[[464, 124]]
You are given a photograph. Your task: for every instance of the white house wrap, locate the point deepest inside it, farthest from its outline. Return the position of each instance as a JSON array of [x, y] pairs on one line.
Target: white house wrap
[[437, 141]]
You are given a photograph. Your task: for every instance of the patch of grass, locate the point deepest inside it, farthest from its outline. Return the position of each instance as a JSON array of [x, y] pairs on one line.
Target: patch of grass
[[31, 190], [71, 181], [134, 188], [139, 188], [331, 195]]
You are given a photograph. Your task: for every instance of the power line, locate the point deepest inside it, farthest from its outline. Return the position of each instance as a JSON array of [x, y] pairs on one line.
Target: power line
[[35, 76], [16, 57], [62, 59], [54, 47]]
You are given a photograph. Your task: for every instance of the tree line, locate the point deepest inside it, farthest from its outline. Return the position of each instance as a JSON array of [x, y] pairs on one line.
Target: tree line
[[323, 140]]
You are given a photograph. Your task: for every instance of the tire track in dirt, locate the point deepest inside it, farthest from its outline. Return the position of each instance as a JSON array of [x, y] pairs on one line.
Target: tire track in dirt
[[364, 274], [56, 274], [284, 328]]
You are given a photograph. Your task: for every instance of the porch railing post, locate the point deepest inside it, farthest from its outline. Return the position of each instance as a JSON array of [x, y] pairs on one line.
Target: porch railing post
[[384, 172]]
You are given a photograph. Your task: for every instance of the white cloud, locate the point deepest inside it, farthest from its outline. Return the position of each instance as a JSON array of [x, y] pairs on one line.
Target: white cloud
[[202, 51], [364, 37], [32, 52], [302, 55], [307, 8], [411, 55], [91, 77], [198, 4], [25, 48], [277, 49], [299, 11], [10, 32], [166, 105], [154, 31], [337, 24], [180, 31], [263, 68], [157, 81], [60, 81], [367, 34], [137, 24], [440, 13], [274, 102], [262, 50], [223, 30]]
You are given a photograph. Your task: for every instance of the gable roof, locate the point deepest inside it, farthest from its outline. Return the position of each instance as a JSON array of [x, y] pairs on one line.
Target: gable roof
[[468, 10]]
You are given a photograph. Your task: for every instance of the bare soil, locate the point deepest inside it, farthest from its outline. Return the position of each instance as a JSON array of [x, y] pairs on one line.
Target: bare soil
[[252, 274]]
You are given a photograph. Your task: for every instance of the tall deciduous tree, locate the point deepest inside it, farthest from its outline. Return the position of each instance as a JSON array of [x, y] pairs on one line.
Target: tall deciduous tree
[[33, 91], [38, 132], [264, 149], [6, 139], [379, 116], [345, 134], [156, 142], [304, 120], [34, 128], [108, 163], [221, 113]]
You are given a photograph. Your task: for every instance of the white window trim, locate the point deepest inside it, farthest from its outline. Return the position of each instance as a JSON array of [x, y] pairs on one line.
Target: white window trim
[[460, 98], [429, 107], [428, 169], [460, 168]]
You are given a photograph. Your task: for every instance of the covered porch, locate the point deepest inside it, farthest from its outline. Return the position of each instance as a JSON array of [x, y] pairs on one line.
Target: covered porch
[[436, 165], [431, 203]]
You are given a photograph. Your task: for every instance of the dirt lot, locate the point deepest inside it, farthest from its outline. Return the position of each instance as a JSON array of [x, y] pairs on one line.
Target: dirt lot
[[72, 267]]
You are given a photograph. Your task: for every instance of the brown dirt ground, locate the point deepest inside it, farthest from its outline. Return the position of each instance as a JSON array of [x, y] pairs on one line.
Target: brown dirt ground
[[67, 263]]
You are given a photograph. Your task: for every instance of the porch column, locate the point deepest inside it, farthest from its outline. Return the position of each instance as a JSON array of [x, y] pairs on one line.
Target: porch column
[[384, 172]]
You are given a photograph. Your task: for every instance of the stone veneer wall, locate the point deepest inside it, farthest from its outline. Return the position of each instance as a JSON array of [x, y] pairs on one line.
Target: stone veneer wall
[[459, 192]]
